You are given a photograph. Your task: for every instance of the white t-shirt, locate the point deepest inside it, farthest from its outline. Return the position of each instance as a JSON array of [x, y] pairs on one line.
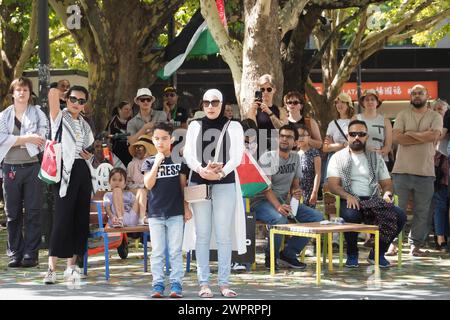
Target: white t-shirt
[[334, 132], [360, 173]]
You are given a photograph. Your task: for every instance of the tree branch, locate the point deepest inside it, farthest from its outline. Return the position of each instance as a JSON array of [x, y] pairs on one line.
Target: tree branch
[[98, 25], [380, 35], [335, 33], [30, 42], [83, 36], [342, 4], [289, 15], [52, 40], [229, 49], [160, 11]]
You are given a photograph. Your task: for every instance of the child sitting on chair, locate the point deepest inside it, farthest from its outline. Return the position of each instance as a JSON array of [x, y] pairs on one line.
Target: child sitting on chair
[[122, 206], [140, 150]]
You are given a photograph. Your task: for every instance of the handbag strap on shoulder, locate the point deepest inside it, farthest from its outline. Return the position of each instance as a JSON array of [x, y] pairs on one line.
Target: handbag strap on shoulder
[[219, 145]]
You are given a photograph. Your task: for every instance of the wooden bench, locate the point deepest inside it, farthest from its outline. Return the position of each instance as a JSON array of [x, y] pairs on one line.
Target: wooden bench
[[100, 228], [315, 230]]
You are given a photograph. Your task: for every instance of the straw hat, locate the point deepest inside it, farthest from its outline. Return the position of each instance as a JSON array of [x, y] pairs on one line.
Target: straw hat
[[144, 92], [369, 92], [145, 141], [344, 97]]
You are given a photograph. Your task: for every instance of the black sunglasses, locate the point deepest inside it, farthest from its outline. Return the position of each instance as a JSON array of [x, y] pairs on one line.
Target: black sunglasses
[[214, 103], [170, 94], [295, 102], [357, 133], [145, 99], [269, 89], [80, 101]]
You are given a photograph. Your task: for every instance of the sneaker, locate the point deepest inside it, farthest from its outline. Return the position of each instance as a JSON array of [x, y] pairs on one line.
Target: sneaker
[[158, 291], [235, 266], [443, 247], [292, 262], [267, 264], [72, 273], [29, 262], [14, 263], [176, 290], [352, 261], [50, 277], [383, 262]]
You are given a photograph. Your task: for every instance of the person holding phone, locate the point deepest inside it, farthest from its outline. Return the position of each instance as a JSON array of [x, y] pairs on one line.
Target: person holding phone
[[70, 228], [267, 116]]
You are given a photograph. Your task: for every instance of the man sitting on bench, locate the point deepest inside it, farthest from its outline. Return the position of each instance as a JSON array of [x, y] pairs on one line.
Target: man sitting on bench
[[355, 174], [283, 168]]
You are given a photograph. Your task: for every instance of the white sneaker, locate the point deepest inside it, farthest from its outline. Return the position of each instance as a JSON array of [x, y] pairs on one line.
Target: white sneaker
[[235, 266], [50, 277], [72, 273]]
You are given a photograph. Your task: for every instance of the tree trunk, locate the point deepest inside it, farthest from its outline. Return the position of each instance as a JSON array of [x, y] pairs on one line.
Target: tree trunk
[[294, 60], [261, 45]]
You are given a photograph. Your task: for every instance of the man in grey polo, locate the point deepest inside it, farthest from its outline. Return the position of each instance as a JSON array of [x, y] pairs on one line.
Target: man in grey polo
[[143, 122], [415, 131]]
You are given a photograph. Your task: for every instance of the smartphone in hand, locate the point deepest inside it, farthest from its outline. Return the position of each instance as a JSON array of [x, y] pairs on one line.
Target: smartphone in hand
[[258, 96]]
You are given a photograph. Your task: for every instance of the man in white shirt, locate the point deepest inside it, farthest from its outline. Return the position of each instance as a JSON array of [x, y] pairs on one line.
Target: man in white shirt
[[354, 174]]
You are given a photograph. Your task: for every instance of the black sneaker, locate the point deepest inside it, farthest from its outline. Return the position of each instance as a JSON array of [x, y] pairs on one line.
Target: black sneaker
[[267, 264], [292, 262], [15, 263]]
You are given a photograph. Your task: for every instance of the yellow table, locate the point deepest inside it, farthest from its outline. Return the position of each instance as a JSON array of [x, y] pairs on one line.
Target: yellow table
[[315, 230]]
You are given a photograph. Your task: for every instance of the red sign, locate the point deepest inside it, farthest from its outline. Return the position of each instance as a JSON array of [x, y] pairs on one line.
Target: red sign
[[388, 90]]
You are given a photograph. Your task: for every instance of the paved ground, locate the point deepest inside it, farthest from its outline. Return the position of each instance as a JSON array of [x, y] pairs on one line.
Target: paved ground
[[418, 278]]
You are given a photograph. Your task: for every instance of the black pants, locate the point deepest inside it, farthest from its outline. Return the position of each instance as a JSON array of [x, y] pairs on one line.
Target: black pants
[[22, 187], [71, 217]]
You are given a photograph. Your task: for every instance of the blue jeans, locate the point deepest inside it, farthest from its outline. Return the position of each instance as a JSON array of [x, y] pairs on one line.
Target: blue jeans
[[356, 216], [440, 201], [170, 231], [267, 213], [217, 213]]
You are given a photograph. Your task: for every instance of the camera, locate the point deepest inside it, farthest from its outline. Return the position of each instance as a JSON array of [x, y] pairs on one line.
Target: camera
[[258, 96]]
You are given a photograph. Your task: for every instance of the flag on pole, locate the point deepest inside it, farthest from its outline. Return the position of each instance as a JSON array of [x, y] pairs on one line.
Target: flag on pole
[[194, 40], [251, 176]]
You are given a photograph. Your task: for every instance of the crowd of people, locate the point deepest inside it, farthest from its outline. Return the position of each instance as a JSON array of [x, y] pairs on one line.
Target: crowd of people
[[362, 158]]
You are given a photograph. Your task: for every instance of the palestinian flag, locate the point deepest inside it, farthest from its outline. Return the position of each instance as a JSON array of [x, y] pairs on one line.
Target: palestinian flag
[[251, 176], [193, 40]]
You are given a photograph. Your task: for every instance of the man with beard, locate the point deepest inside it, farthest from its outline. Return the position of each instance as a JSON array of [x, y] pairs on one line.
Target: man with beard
[[355, 175], [273, 207], [416, 130]]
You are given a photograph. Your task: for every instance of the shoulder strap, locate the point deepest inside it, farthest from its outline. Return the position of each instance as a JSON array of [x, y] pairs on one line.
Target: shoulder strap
[[58, 135], [340, 129]]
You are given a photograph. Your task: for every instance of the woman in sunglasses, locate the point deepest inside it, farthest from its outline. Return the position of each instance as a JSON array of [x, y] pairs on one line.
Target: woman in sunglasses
[[73, 193], [224, 212], [266, 115], [295, 105]]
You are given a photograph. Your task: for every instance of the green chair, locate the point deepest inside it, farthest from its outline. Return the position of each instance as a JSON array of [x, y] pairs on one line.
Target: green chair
[[337, 204]]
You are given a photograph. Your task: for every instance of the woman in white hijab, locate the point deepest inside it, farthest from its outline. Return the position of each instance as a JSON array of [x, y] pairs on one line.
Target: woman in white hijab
[[223, 215]]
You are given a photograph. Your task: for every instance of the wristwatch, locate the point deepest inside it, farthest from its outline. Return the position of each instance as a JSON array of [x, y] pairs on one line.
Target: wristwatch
[[221, 175]]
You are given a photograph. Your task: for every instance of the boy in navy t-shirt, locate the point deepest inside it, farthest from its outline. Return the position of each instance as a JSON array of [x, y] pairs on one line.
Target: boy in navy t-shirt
[[166, 210]]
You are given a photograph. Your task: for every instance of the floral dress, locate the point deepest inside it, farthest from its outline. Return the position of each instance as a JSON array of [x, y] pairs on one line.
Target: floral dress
[[308, 173]]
